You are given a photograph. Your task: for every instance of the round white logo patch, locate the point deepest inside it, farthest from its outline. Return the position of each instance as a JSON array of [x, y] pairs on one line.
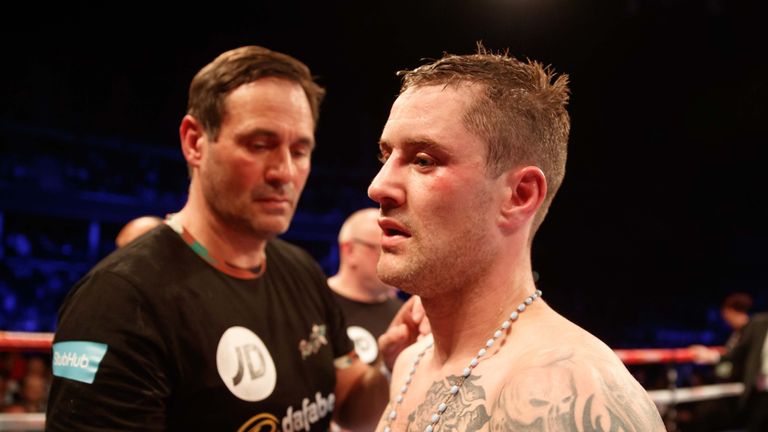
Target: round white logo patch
[[366, 346], [245, 365]]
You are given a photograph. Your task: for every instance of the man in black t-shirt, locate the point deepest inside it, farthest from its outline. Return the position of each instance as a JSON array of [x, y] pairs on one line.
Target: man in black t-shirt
[[368, 303], [208, 322]]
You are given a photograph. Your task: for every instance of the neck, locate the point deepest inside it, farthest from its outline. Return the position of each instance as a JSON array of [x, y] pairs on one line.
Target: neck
[[221, 239], [356, 288], [482, 306]]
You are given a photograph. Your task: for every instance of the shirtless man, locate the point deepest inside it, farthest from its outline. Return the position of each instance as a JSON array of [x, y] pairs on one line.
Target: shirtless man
[[473, 152]]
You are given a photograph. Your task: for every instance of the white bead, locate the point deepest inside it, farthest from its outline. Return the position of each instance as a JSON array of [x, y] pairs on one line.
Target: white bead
[[528, 301], [474, 362], [454, 389], [404, 389], [521, 307], [505, 325], [466, 372], [387, 429], [408, 379], [399, 398], [435, 418], [539, 293], [392, 414], [489, 343], [441, 408], [481, 352], [428, 428], [514, 315], [497, 334]]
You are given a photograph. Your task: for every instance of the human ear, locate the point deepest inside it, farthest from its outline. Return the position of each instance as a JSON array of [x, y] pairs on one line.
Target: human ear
[[525, 191], [192, 137]]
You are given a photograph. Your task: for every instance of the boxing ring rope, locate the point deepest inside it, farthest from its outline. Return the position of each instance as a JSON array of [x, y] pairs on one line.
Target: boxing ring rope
[[26, 422], [41, 342], [695, 394], [25, 341], [656, 355]]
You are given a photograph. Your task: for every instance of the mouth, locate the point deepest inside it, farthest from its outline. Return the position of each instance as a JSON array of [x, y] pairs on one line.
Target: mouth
[[275, 205], [392, 228], [276, 199]]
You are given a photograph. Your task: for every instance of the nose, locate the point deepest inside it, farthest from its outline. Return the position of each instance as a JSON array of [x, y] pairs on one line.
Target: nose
[[387, 188], [280, 166]]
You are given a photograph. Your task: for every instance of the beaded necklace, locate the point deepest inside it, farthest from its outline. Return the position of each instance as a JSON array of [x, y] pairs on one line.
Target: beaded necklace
[[437, 415]]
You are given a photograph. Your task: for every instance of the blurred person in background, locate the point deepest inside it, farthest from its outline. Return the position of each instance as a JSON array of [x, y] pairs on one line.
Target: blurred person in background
[[136, 228], [366, 301], [745, 358]]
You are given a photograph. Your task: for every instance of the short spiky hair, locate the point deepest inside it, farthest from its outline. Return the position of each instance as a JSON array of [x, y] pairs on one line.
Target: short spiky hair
[[239, 66], [520, 110]]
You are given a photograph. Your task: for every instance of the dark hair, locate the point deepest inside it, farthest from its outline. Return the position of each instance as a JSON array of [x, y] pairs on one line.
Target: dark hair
[[520, 110], [241, 66], [739, 301]]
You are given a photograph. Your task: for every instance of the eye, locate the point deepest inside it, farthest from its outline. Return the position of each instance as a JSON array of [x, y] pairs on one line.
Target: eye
[[257, 145], [423, 160], [301, 151]]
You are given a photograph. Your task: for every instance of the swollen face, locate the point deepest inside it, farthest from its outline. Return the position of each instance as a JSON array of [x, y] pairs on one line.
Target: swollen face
[[253, 174]]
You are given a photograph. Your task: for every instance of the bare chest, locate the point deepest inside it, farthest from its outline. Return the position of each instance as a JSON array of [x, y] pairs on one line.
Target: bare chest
[[448, 403]]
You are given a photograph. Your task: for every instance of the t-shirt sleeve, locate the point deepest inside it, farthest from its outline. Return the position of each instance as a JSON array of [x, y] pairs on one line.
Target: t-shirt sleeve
[[108, 360], [337, 324]]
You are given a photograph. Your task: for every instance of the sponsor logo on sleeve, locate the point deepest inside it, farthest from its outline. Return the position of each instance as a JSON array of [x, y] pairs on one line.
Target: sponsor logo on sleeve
[[244, 364], [78, 360]]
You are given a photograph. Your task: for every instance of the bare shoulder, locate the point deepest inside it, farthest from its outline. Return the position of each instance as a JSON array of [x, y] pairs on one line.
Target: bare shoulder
[[571, 381], [405, 360]]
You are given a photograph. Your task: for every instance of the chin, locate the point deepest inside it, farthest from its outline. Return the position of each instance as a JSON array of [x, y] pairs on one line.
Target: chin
[[397, 277], [270, 225]]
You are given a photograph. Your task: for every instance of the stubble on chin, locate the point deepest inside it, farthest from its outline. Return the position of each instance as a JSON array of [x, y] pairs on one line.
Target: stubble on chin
[[437, 270], [389, 270], [412, 274]]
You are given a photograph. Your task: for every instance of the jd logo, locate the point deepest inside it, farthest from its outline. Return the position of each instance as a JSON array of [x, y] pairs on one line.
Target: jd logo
[[365, 344], [245, 365], [245, 355]]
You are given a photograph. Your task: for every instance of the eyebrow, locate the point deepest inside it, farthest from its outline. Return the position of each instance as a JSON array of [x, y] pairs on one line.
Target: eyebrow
[[267, 133], [422, 143]]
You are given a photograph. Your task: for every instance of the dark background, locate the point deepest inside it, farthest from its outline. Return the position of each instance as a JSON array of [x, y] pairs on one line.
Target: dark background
[[660, 214]]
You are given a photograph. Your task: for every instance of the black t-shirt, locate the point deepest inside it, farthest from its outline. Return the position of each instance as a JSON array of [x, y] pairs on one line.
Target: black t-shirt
[[366, 322], [154, 338]]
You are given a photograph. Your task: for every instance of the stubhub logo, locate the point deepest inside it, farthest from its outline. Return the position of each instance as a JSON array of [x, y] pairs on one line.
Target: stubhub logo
[[78, 360], [70, 359]]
